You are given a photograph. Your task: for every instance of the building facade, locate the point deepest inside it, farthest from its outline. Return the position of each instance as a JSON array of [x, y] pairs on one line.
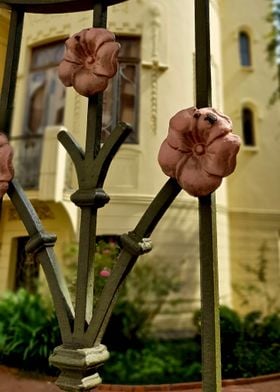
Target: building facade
[[253, 191], [154, 81]]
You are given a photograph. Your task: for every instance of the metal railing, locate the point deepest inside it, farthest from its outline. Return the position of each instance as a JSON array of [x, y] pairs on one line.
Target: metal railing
[[81, 328]]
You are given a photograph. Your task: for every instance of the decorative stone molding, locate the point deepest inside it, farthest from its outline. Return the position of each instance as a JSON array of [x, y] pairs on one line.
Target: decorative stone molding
[[56, 30], [150, 21], [155, 64], [120, 23], [43, 210]]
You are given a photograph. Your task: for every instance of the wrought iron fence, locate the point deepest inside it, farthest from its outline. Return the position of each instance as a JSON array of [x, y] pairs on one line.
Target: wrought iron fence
[[81, 329]]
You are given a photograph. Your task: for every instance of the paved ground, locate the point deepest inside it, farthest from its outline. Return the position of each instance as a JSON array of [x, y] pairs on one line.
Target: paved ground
[[13, 381]]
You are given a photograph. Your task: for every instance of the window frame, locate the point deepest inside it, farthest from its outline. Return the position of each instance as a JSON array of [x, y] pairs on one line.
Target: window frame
[[245, 49], [116, 89], [30, 141], [253, 146]]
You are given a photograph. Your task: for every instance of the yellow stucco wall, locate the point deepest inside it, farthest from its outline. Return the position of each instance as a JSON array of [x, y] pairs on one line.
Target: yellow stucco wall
[[50, 214], [254, 188], [4, 31]]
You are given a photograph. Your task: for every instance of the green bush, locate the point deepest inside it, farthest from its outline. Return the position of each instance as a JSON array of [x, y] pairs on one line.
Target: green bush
[[156, 362], [141, 297], [258, 349], [250, 345], [28, 331]]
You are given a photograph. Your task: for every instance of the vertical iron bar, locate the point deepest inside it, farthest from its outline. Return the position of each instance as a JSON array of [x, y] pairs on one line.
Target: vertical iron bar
[[94, 116], [10, 72], [210, 326], [87, 243]]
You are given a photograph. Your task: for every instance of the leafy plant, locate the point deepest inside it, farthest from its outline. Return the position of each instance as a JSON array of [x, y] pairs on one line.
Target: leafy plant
[[156, 362], [257, 350], [250, 344], [105, 258], [140, 299], [273, 45], [259, 285], [28, 330], [144, 294]]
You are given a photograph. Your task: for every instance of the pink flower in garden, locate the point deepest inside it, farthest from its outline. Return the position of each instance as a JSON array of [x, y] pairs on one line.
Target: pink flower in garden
[[105, 272], [6, 167], [200, 150], [90, 59]]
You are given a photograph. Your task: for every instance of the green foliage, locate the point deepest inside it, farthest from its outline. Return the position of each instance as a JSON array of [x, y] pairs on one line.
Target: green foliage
[[258, 349], [28, 331], [259, 286], [156, 362], [141, 299], [250, 345], [273, 45], [105, 257]]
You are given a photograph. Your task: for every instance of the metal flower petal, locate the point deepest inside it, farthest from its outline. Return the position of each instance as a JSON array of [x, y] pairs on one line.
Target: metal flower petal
[[220, 158], [90, 59], [199, 150], [196, 181], [6, 168]]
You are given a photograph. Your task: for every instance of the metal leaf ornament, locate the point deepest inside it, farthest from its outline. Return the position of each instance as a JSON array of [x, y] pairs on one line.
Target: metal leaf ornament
[[90, 60], [200, 149], [6, 167]]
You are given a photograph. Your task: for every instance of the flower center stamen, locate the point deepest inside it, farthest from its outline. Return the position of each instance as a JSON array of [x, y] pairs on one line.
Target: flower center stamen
[[90, 60], [199, 149]]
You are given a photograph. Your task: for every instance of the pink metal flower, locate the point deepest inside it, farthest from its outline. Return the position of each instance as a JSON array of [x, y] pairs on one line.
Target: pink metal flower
[[200, 150], [6, 168], [90, 59]]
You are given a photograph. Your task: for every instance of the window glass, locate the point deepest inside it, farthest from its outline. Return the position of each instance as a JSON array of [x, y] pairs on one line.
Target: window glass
[[27, 267], [44, 106], [120, 99], [248, 127], [46, 93], [244, 49]]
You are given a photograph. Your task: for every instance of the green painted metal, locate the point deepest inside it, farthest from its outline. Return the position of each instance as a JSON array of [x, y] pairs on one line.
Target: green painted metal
[[41, 243], [55, 6], [83, 326], [10, 72], [210, 326]]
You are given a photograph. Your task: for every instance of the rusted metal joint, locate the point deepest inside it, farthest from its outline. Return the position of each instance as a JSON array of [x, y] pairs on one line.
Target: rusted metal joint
[[135, 247], [39, 241], [88, 197]]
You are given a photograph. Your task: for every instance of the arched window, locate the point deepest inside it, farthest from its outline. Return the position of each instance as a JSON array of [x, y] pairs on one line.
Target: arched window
[[245, 49], [44, 106], [121, 98], [248, 129]]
